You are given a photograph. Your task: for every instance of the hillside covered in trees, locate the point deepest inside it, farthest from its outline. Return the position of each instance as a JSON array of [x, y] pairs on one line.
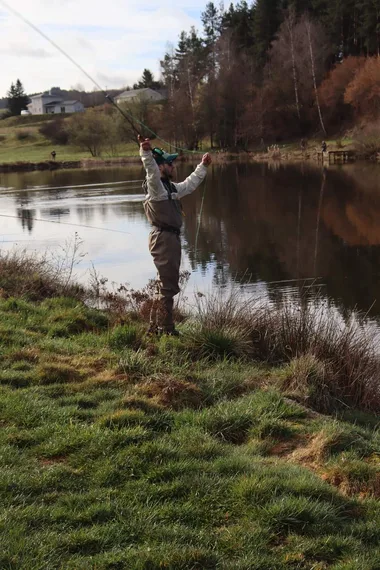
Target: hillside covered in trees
[[273, 70], [268, 72]]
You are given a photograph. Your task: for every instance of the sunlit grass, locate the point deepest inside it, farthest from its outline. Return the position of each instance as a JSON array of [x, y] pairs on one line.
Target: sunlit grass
[[36, 148]]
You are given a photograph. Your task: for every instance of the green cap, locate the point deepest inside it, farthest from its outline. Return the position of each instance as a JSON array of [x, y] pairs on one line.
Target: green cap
[[162, 157]]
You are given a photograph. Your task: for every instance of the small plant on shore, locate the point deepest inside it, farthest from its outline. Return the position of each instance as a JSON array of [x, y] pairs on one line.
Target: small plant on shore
[[124, 336], [135, 363], [121, 300], [367, 139], [34, 277], [218, 329]]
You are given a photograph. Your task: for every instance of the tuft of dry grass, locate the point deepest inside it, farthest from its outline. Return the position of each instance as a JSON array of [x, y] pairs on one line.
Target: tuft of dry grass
[[219, 328], [172, 393], [35, 277], [354, 477], [332, 362]]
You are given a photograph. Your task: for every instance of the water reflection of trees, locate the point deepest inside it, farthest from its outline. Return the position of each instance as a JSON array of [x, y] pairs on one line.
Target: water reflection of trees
[[26, 218], [262, 224], [65, 177], [289, 223], [56, 213]]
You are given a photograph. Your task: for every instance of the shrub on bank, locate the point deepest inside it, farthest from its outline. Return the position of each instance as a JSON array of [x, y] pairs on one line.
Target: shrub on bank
[[36, 278], [55, 131], [23, 136]]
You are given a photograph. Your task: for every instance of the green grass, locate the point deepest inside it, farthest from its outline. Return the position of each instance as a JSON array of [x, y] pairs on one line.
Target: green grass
[[36, 148], [122, 451]]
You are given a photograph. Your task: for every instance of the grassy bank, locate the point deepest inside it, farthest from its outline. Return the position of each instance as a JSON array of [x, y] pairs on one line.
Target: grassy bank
[[208, 451], [21, 141]]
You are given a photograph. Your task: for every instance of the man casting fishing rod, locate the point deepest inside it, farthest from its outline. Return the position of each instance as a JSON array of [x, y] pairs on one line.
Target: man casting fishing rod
[[163, 210]]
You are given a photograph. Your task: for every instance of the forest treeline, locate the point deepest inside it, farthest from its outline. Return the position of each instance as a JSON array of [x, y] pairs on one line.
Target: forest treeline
[[272, 71], [256, 74]]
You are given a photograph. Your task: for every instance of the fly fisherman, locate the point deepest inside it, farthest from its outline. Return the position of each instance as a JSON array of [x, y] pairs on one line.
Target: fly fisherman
[[163, 210]]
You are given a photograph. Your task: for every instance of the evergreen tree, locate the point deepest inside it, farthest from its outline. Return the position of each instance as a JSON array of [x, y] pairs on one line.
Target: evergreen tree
[[239, 20], [17, 99], [369, 26], [147, 80], [211, 20], [267, 19]]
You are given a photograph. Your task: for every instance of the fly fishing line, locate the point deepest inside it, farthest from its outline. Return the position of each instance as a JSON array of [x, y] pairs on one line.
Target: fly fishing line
[[126, 114]]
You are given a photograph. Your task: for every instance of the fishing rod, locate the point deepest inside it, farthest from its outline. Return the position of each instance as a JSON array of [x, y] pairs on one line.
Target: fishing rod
[[97, 185], [129, 118], [126, 114]]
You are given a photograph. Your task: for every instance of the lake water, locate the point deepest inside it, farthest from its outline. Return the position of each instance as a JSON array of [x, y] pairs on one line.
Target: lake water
[[264, 227]]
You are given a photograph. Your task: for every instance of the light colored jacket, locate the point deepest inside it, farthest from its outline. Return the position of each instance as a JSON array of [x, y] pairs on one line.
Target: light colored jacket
[[157, 192]]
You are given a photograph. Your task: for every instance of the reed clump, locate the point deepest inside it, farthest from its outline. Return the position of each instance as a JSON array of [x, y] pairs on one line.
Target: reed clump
[[330, 362]]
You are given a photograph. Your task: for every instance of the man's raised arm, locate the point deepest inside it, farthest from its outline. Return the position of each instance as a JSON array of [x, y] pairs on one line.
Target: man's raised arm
[[153, 175], [195, 179]]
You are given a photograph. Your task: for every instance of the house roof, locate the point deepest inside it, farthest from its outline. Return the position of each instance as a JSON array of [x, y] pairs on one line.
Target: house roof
[[61, 102], [136, 92], [42, 95], [52, 103]]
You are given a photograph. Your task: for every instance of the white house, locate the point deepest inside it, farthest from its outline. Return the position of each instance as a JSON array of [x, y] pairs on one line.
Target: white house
[[44, 103], [134, 95]]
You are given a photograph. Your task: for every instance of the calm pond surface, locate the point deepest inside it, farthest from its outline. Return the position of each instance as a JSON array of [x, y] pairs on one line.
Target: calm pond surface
[[263, 227]]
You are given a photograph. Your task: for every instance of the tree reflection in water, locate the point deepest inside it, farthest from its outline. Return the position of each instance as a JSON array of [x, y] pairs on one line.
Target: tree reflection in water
[[292, 222]]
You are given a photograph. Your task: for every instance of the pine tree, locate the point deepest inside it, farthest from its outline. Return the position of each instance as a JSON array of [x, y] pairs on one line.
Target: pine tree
[[267, 19], [17, 99], [239, 20], [211, 21], [147, 80], [369, 26]]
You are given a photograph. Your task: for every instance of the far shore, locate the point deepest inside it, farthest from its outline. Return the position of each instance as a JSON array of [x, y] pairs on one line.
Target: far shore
[[278, 154]]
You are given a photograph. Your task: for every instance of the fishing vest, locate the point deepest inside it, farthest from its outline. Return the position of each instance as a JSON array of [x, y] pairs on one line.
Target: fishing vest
[[164, 213]]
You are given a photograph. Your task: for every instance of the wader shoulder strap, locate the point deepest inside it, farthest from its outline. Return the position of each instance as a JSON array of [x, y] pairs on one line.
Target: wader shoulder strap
[[169, 187]]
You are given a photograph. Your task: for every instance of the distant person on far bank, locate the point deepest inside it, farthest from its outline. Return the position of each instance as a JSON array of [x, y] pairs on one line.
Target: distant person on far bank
[[163, 209], [324, 146], [53, 154]]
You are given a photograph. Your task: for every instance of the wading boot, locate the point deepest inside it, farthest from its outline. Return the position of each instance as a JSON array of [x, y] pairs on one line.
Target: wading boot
[[169, 331], [153, 330]]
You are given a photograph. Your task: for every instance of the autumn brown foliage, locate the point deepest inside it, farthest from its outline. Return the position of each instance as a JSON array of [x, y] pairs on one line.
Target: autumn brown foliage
[[363, 93]]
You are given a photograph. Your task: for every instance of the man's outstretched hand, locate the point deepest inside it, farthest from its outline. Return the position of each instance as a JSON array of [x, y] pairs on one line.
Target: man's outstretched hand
[[206, 159], [144, 143]]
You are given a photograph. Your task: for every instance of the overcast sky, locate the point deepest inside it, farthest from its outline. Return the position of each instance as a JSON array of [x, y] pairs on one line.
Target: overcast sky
[[112, 40]]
